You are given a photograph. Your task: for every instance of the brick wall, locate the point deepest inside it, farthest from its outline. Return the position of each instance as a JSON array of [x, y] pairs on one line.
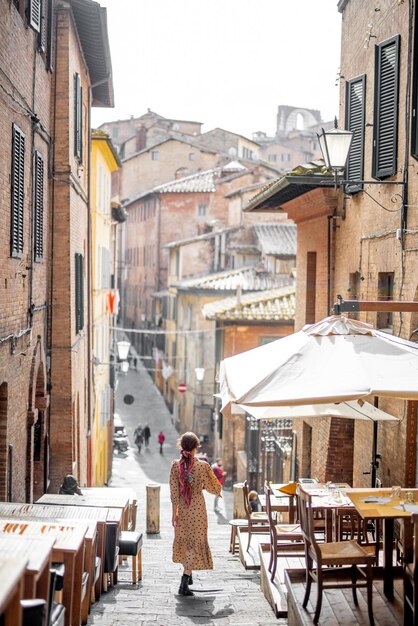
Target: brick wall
[[141, 173], [69, 402], [25, 91]]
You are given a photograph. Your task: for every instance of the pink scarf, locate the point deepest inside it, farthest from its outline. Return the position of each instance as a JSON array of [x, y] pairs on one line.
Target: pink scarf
[[186, 465]]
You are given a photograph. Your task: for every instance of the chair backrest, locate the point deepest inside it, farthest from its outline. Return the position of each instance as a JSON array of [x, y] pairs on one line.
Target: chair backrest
[[306, 520], [267, 491], [247, 506]]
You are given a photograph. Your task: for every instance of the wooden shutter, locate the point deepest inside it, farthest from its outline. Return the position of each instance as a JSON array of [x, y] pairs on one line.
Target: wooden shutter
[[310, 304], [50, 43], [355, 106], [35, 12], [18, 191], [39, 207], [385, 137], [79, 292], [43, 31], [78, 117]]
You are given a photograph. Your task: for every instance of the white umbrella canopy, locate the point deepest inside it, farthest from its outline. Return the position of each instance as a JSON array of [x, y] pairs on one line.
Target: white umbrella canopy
[[334, 360], [353, 409]]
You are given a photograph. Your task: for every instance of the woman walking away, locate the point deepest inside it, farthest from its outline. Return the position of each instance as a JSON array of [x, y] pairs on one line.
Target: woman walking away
[[188, 477], [161, 439]]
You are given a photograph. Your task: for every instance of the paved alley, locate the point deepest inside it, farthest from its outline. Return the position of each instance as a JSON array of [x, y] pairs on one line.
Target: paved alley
[[226, 595]]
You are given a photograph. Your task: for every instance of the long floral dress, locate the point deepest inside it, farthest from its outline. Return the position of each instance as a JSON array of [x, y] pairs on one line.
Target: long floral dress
[[190, 547]]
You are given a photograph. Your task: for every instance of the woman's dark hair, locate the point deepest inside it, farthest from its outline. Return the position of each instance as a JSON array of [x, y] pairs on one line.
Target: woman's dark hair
[[188, 442]]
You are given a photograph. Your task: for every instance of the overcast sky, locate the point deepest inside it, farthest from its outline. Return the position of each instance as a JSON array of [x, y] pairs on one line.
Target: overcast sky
[[226, 63]]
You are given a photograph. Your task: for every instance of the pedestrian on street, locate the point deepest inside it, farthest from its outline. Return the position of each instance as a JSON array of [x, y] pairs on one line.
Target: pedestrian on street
[[147, 434], [188, 477], [161, 439], [139, 437], [218, 470]]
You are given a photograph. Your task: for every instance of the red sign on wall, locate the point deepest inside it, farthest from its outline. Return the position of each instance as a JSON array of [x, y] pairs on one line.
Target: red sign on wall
[[182, 387]]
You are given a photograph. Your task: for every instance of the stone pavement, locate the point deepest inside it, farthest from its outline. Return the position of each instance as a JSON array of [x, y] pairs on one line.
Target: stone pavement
[[226, 595]]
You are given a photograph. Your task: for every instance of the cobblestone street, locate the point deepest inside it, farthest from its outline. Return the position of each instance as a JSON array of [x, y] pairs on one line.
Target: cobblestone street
[[226, 595]]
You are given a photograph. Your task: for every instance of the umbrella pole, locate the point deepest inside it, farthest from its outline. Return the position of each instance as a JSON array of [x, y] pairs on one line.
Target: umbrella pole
[[374, 465]]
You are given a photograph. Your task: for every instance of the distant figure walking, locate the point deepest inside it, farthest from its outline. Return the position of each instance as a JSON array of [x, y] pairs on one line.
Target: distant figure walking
[[139, 437], [218, 470], [147, 434], [161, 439]]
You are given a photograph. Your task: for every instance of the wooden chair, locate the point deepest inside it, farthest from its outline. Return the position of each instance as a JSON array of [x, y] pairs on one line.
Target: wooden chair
[[410, 581], [340, 555], [257, 522], [285, 539], [349, 525]]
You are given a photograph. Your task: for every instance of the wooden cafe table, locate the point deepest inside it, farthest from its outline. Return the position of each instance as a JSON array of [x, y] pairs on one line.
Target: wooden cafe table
[[38, 553], [384, 510], [328, 501], [90, 515], [118, 500], [68, 548], [12, 575]]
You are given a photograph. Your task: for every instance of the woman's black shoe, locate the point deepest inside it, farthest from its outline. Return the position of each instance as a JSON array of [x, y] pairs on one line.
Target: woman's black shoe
[[190, 580], [184, 586]]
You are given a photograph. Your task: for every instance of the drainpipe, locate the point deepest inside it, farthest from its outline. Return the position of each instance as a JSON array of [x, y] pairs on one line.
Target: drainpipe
[[89, 292], [329, 303]]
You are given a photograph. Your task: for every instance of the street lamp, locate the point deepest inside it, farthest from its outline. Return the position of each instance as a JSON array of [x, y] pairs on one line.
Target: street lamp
[[123, 349], [199, 373], [335, 146]]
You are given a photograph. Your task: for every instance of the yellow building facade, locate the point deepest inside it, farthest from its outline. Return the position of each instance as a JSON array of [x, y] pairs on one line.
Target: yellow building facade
[[104, 161]]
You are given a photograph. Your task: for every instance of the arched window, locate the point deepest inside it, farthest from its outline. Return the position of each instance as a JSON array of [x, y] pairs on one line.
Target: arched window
[[300, 125]]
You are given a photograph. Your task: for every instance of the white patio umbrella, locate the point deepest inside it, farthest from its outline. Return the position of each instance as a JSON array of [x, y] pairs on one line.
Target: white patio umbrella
[[354, 409], [335, 360]]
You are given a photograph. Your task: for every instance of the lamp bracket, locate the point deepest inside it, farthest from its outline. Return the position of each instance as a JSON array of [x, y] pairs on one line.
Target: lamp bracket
[[352, 306]]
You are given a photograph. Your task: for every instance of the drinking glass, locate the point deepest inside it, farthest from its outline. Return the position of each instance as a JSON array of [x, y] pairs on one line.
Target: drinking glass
[[396, 492]]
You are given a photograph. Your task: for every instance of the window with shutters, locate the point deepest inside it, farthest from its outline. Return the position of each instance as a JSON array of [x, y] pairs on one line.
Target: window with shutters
[[39, 207], [17, 192], [355, 107], [385, 126], [79, 292], [78, 117]]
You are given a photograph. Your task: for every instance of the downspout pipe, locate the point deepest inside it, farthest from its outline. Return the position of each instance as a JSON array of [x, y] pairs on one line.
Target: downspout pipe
[[89, 297], [329, 303]]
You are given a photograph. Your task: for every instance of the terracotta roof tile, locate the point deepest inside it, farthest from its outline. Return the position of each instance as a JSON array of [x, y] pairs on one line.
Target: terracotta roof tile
[[269, 305]]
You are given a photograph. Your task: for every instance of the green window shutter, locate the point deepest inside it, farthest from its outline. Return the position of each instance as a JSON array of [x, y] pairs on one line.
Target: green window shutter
[[78, 117], [385, 137], [39, 207], [79, 292], [17, 192], [43, 31], [50, 38], [35, 13], [355, 107]]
